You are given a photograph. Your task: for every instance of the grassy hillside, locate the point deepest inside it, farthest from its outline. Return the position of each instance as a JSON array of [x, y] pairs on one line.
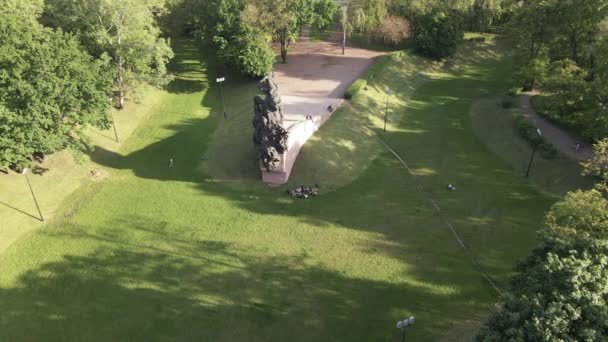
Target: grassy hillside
[[172, 253]]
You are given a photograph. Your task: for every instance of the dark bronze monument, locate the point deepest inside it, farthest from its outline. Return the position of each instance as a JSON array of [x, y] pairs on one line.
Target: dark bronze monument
[[269, 137]]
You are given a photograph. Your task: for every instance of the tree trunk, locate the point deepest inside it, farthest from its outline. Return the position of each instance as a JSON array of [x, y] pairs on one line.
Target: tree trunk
[[120, 83], [119, 65], [574, 43], [284, 43], [343, 39], [283, 51]]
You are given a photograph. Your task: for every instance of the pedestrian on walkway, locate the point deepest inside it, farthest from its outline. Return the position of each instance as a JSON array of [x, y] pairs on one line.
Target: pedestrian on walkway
[[170, 162]]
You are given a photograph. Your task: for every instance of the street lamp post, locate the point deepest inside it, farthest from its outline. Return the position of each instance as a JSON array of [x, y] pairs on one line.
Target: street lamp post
[[388, 94], [24, 172], [540, 134], [404, 324], [221, 80]]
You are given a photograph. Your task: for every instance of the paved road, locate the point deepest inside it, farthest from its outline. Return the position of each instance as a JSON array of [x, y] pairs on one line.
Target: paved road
[[562, 140]]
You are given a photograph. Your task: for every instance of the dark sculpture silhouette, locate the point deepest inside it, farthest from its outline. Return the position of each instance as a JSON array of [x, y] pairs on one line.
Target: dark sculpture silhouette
[[269, 137]]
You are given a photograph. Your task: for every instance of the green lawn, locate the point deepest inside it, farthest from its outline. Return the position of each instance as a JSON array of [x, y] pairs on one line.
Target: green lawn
[[495, 126], [158, 253]]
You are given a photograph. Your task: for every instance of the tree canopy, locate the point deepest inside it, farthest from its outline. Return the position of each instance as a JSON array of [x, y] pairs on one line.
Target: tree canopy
[[125, 32], [284, 19], [50, 90]]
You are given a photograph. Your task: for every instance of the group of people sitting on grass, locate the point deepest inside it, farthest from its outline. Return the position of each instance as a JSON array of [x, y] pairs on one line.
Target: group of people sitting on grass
[[304, 191]]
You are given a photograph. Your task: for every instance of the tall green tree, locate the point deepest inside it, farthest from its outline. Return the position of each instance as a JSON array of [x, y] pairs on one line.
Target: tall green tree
[[284, 19], [560, 293], [575, 24], [568, 82], [250, 51], [50, 91], [440, 37], [124, 31], [28, 10], [529, 31]]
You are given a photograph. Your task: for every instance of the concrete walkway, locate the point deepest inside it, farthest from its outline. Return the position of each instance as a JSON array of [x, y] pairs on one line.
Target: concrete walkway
[[562, 140]]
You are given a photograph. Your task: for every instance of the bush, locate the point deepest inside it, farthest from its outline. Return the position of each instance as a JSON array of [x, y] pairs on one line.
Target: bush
[[527, 131], [547, 150], [355, 88], [477, 39], [507, 103], [250, 52], [513, 92], [437, 35], [392, 30]]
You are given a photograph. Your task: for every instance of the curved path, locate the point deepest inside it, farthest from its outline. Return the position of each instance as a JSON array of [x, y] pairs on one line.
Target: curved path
[[562, 140]]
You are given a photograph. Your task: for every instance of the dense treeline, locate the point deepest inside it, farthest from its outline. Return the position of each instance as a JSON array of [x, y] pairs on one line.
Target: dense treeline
[[242, 30], [560, 292]]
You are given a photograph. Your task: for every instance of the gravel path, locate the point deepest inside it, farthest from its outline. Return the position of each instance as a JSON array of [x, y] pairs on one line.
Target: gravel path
[[562, 140]]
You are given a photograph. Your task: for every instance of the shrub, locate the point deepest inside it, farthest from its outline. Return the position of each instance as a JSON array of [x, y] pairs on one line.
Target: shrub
[[527, 131], [392, 30], [355, 88], [547, 150], [513, 92], [438, 35], [250, 52], [481, 39], [507, 103]]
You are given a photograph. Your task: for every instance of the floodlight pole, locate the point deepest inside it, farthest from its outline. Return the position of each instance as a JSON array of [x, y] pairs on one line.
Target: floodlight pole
[[24, 172], [533, 152], [404, 324], [221, 80]]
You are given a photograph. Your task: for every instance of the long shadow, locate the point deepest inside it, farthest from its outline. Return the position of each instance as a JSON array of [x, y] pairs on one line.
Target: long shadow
[[208, 291], [151, 161], [283, 297], [188, 73], [19, 210]]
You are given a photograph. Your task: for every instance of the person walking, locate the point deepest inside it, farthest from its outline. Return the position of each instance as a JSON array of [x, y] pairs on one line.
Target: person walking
[[170, 162]]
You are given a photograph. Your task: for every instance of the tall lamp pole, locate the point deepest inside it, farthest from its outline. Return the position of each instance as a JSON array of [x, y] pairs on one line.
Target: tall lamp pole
[[404, 324], [24, 172], [540, 135], [221, 80], [388, 95]]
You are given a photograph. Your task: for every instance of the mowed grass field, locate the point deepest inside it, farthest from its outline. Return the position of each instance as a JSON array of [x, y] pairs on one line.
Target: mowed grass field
[[154, 253]]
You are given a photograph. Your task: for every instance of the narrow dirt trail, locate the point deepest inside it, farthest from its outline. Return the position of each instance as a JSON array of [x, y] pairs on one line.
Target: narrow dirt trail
[[562, 140]]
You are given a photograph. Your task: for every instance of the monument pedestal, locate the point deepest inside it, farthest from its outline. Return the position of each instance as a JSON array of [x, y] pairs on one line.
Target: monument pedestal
[[300, 129]]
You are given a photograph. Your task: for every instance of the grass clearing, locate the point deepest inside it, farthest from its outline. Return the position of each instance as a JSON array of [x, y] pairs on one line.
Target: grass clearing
[[159, 253]]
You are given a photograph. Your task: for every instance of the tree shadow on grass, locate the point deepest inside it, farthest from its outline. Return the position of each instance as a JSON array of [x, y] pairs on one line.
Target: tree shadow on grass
[[191, 76], [212, 291], [382, 201]]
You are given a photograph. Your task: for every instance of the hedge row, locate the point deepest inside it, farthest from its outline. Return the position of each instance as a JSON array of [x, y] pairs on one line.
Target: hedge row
[[355, 88], [529, 133]]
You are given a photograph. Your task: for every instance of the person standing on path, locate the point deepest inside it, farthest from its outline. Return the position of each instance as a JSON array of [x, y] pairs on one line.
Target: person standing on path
[[170, 162]]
